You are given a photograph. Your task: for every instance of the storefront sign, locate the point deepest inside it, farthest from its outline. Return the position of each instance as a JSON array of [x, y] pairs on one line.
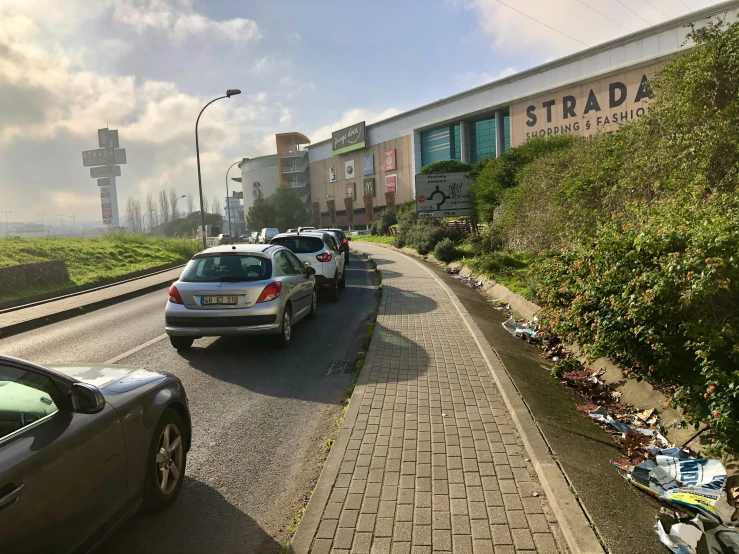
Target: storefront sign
[[349, 206], [351, 191], [349, 169], [368, 165], [391, 183], [104, 182], [443, 195], [332, 175], [390, 201], [103, 156], [349, 138], [369, 186], [602, 105], [390, 160], [368, 207], [332, 212]]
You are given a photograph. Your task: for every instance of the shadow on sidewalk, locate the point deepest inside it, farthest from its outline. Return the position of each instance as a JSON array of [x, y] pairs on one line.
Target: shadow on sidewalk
[[397, 357], [201, 520], [402, 302]]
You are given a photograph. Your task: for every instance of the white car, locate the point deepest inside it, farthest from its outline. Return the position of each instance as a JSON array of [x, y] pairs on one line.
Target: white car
[[266, 234], [322, 253]]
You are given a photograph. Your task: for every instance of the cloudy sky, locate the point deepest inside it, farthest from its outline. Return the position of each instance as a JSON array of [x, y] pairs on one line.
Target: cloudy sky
[[145, 67]]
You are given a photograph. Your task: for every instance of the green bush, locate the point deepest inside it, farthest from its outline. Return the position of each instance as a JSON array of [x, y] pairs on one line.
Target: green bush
[[657, 290], [386, 220], [425, 234], [407, 217], [446, 251], [445, 166]]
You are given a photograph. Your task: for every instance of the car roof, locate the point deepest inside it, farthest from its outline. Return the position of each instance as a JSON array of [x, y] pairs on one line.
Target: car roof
[[237, 248], [316, 234]]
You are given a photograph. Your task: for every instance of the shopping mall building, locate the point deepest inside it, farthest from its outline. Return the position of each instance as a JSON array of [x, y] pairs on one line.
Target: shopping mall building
[[362, 167]]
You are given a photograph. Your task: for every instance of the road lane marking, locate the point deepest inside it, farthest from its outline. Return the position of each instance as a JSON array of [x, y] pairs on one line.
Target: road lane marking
[[139, 348]]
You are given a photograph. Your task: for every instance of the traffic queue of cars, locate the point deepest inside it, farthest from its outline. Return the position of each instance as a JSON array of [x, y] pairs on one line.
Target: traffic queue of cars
[[256, 289]]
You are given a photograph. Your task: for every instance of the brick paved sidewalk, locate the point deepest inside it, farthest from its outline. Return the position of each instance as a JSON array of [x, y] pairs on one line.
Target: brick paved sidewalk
[[431, 460], [11, 319]]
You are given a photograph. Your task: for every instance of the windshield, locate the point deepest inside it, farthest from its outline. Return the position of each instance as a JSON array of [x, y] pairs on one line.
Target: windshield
[[300, 244], [214, 268]]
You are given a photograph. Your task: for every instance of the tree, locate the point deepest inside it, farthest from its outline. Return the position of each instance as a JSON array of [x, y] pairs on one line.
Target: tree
[[190, 204], [151, 211], [262, 214], [284, 209], [216, 206], [133, 213], [173, 204], [164, 206], [205, 205], [445, 166]]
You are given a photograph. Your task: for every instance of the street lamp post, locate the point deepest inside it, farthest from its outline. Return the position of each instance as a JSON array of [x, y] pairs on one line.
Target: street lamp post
[[7, 225], [229, 94], [61, 220], [228, 205], [42, 220]]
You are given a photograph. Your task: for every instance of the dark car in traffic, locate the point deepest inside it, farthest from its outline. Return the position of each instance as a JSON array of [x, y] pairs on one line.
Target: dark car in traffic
[[82, 448], [343, 242]]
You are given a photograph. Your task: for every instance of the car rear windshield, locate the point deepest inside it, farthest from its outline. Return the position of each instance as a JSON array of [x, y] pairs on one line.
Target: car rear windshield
[[300, 244], [220, 268]]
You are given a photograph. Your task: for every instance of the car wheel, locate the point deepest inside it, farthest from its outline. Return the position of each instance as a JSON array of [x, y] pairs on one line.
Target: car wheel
[[313, 304], [181, 343], [286, 329], [333, 289], [165, 466], [342, 281]]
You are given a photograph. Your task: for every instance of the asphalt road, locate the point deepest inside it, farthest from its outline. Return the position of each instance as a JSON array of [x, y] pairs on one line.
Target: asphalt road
[[261, 415]]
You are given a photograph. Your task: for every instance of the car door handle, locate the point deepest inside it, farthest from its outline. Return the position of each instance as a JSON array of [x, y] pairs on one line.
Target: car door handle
[[9, 499]]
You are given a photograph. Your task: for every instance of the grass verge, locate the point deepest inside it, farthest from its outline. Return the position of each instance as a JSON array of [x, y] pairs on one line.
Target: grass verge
[[95, 260], [370, 238]]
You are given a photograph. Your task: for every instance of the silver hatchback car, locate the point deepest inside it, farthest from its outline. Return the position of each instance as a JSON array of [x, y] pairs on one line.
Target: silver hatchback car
[[242, 289]]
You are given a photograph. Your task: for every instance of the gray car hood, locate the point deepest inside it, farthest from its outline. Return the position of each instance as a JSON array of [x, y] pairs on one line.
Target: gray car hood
[[109, 378]]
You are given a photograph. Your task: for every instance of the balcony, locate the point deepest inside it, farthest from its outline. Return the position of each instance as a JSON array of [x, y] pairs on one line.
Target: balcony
[[294, 168], [294, 152]]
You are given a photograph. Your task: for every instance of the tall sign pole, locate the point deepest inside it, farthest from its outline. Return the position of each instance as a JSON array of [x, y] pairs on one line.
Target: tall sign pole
[[105, 165]]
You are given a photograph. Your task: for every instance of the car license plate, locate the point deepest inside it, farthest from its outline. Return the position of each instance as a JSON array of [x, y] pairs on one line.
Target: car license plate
[[209, 300]]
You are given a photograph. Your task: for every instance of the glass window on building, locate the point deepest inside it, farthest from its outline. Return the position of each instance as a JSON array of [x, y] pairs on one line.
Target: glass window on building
[[482, 139], [442, 143]]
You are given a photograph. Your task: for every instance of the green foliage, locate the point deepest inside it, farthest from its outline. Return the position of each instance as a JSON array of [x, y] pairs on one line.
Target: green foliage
[[446, 251], [425, 234], [657, 289], [188, 226], [494, 175], [510, 269], [407, 217], [284, 210], [97, 259], [370, 238], [386, 220], [445, 166], [563, 366]]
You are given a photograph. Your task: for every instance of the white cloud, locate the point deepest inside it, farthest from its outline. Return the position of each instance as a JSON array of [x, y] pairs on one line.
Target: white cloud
[[514, 33], [472, 79], [347, 118], [178, 19]]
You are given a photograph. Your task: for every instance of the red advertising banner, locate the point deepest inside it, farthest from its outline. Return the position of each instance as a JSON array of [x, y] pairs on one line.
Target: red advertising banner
[[389, 163], [107, 211], [391, 183]]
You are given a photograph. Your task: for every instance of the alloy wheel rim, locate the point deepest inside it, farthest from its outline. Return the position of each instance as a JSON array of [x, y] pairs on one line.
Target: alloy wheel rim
[[169, 458], [286, 329]]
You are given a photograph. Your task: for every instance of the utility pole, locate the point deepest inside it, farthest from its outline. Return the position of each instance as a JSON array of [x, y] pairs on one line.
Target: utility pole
[[42, 220], [61, 221], [7, 226], [73, 218]]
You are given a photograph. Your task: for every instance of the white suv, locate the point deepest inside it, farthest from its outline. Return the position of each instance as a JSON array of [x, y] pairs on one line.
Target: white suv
[[322, 253]]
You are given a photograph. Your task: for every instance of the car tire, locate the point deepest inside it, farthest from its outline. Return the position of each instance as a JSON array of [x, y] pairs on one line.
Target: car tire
[[285, 337], [158, 494], [313, 304], [181, 343], [333, 289], [342, 281]]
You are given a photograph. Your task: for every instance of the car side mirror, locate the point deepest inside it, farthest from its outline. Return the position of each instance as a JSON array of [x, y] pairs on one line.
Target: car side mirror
[[87, 399], [309, 271]]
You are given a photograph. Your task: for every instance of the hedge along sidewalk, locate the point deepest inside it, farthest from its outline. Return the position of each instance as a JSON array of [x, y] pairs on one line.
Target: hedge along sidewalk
[[429, 452], [21, 319]]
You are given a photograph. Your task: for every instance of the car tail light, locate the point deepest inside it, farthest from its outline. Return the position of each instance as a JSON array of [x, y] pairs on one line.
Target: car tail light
[[325, 257], [343, 241], [270, 292], [174, 295]]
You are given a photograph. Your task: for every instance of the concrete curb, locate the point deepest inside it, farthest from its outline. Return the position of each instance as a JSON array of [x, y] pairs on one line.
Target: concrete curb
[[580, 536], [41, 321], [303, 539]]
